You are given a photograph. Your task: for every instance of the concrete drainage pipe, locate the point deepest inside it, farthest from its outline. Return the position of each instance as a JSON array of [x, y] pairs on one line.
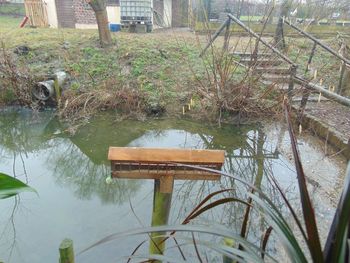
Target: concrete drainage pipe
[[46, 89]]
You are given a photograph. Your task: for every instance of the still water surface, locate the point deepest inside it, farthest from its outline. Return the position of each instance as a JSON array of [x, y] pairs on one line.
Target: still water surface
[[74, 200]]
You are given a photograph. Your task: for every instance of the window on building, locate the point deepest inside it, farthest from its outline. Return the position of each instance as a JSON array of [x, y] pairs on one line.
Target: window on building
[[113, 2]]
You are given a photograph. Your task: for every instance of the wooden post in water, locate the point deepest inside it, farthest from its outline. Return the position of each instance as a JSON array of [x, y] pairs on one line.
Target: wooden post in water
[[163, 166], [160, 216], [66, 251]]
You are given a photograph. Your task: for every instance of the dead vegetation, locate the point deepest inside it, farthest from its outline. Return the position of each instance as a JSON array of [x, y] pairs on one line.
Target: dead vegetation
[[15, 80], [78, 107], [234, 89]]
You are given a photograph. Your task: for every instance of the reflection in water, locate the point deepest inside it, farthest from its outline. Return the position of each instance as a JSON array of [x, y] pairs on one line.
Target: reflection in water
[[20, 134], [69, 173], [75, 170]]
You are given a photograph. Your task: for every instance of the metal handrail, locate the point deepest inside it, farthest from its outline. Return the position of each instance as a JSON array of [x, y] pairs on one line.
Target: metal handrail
[[274, 50], [315, 40], [326, 93], [252, 33]]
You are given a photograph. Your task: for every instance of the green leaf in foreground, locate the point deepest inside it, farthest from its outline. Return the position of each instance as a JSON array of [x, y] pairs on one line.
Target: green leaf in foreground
[[10, 186]]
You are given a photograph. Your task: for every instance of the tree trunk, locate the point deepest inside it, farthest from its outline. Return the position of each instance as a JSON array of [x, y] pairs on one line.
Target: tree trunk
[[103, 30], [99, 7], [239, 9]]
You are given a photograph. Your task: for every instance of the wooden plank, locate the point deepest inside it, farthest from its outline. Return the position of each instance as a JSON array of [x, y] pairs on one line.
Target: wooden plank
[[128, 166], [177, 175], [161, 155], [166, 184], [36, 11]]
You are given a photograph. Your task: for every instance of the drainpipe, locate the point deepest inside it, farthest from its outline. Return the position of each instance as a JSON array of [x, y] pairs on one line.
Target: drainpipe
[[45, 90]]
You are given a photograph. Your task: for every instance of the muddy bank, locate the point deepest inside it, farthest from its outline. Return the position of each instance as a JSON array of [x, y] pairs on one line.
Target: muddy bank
[[331, 122]]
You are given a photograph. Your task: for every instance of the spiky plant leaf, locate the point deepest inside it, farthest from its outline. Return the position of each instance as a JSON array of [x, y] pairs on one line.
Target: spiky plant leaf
[[313, 239], [336, 244], [282, 229], [205, 229], [10, 186]]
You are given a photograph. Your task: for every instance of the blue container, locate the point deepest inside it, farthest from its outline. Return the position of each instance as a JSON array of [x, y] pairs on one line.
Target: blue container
[[114, 27]]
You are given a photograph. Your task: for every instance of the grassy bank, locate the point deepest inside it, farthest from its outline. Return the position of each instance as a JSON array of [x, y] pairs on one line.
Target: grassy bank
[[9, 22], [139, 74], [147, 72]]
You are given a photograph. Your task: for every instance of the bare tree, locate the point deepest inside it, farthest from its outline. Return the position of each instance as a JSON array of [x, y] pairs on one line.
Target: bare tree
[[320, 9], [99, 7]]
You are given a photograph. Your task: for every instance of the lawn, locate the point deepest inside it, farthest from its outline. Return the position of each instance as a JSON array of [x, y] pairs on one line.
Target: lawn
[[9, 22], [12, 9]]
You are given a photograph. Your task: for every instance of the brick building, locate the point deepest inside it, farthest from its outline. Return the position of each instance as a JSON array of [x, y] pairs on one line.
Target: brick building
[[78, 13], [68, 13]]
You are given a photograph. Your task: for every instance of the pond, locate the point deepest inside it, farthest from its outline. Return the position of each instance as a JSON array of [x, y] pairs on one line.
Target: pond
[[73, 199]]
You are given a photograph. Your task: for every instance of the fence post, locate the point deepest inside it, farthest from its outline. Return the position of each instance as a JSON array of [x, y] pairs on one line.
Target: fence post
[[306, 92], [217, 33], [227, 35], [293, 72], [341, 83], [310, 58], [66, 251], [160, 216], [228, 242]]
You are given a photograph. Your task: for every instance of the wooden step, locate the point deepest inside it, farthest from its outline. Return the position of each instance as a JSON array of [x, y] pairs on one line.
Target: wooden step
[[313, 98], [248, 55], [274, 70], [261, 62], [275, 78], [280, 86]]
